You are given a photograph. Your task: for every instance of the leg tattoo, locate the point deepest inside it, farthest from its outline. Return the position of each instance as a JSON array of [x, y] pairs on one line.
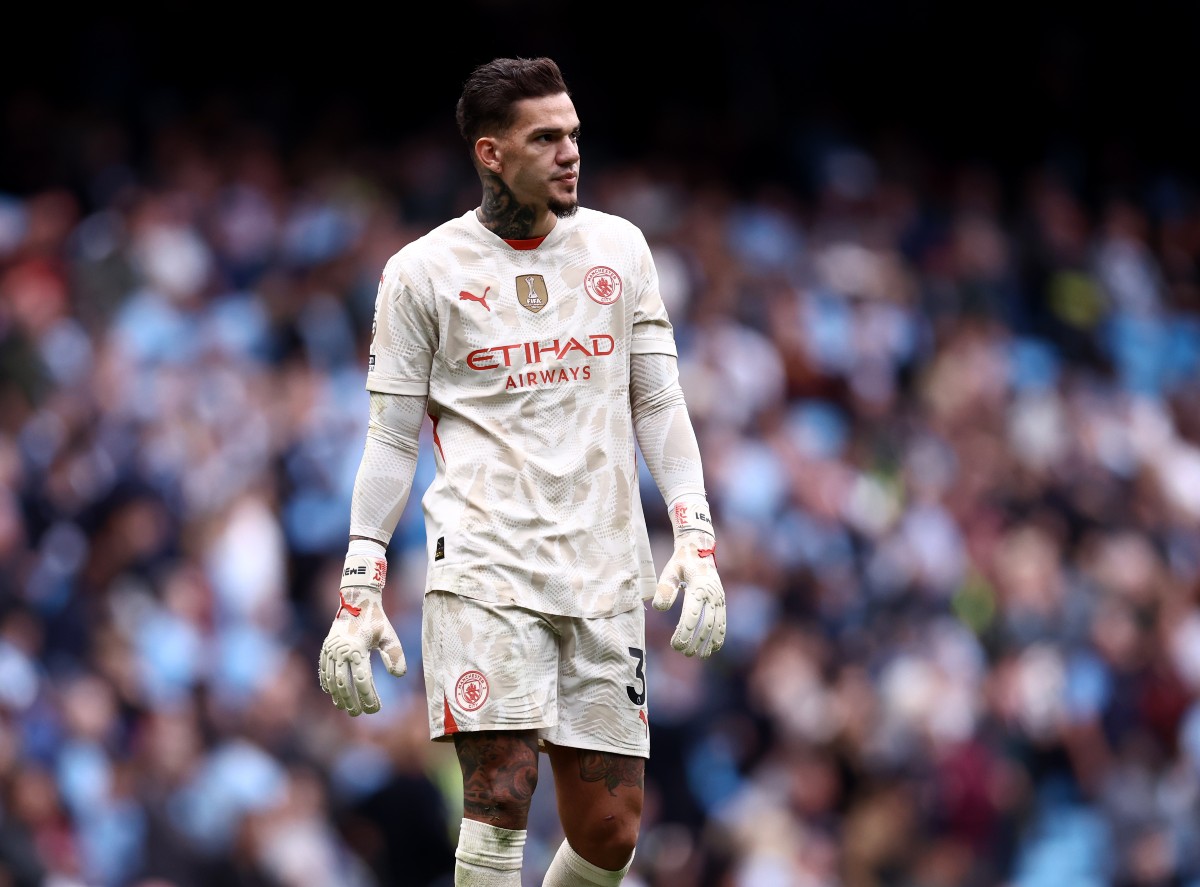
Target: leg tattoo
[[613, 770], [500, 772]]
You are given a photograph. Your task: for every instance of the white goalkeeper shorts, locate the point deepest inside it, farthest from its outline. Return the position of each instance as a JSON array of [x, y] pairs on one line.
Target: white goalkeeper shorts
[[579, 682]]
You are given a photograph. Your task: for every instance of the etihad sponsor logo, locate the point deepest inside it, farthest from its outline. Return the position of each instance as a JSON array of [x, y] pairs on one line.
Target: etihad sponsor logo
[[548, 377], [525, 353]]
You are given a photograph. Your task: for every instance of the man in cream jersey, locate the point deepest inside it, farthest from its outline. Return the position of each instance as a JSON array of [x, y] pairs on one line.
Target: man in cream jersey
[[531, 331]]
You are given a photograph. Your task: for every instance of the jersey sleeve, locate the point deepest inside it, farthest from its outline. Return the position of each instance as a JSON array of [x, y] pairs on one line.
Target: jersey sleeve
[[652, 330], [389, 462], [665, 434], [403, 334]]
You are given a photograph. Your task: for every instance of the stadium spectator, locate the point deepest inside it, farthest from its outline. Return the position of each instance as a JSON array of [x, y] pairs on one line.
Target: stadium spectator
[[953, 445]]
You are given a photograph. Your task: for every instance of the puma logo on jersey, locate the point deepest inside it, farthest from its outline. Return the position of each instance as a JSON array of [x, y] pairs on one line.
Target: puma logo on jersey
[[463, 295]]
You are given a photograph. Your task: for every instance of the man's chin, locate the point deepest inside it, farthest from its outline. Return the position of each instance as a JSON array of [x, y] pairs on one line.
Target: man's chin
[[563, 208]]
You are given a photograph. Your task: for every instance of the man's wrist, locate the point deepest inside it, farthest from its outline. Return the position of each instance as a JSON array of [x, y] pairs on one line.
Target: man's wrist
[[363, 545], [690, 513], [364, 571]]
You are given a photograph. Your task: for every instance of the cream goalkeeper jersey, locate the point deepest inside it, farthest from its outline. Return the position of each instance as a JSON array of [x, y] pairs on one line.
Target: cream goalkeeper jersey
[[524, 356]]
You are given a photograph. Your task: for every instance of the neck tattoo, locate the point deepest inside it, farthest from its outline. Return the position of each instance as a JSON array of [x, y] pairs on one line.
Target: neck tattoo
[[501, 214]]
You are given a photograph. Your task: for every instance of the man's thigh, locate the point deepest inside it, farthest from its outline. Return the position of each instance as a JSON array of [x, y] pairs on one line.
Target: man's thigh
[[579, 682], [602, 696], [487, 666]]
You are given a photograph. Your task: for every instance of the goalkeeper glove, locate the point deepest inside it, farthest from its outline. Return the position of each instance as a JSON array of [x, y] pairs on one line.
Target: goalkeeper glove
[[359, 626], [693, 568]]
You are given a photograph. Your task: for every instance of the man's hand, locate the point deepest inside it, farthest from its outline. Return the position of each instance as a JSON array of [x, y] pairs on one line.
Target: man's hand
[[359, 626], [693, 568]]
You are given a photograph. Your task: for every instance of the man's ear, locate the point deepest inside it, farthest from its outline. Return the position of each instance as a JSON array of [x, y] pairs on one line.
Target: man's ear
[[487, 152]]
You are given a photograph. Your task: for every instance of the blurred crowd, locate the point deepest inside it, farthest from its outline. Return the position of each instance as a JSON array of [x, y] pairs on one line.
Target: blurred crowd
[[952, 443]]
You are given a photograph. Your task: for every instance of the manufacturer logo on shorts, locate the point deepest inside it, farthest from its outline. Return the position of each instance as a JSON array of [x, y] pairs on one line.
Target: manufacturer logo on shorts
[[532, 292], [603, 284], [471, 691]]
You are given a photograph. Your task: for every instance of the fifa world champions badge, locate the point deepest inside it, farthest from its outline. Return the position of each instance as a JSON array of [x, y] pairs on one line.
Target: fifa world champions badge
[[602, 284], [532, 292]]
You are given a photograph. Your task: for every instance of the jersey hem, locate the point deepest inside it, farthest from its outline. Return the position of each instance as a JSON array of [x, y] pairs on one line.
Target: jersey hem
[[630, 601]]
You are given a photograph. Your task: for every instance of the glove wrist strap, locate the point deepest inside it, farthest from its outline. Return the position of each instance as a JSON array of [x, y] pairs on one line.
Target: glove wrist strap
[[690, 513], [364, 570]]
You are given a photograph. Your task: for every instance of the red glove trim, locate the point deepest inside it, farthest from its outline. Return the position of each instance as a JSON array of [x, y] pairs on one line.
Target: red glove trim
[[353, 611]]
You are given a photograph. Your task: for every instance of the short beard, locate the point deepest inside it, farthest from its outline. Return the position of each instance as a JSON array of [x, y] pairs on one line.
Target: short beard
[[563, 209]]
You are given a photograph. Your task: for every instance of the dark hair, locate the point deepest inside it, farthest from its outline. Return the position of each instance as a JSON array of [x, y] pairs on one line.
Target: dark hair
[[490, 94]]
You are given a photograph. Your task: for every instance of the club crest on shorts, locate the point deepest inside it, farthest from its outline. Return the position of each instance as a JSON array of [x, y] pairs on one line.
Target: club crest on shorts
[[471, 691], [602, 284], [532, 292]]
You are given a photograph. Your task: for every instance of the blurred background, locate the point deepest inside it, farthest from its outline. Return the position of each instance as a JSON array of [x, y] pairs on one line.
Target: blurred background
[[935, 276]]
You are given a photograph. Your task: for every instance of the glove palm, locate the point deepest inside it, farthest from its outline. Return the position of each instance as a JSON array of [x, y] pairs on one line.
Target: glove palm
[[359, 626], [693, 569]]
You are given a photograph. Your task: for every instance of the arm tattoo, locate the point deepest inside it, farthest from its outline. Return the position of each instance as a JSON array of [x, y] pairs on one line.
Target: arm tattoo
[[500, 772], [613, 770], [500, 212]]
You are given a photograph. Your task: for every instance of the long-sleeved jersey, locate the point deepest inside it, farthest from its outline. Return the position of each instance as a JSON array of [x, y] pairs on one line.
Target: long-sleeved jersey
[[524, 356]]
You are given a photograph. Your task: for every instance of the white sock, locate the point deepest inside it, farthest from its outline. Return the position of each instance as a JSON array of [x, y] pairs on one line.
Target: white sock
[[569, 869], [488, 856]]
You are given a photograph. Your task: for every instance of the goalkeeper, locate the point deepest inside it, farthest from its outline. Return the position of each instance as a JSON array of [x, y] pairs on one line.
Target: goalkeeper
[[532, 333]]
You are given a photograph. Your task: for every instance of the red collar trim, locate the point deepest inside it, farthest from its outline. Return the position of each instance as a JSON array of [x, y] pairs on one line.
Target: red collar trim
[[531, 243]]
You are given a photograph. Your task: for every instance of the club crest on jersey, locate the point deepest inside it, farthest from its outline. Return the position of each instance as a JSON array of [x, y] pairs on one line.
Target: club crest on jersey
[[602, 284], [471, 691], [532, 292]]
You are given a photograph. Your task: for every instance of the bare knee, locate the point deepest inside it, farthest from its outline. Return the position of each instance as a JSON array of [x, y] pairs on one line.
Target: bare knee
[[607, 841], [500, 774], [600, 796]]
